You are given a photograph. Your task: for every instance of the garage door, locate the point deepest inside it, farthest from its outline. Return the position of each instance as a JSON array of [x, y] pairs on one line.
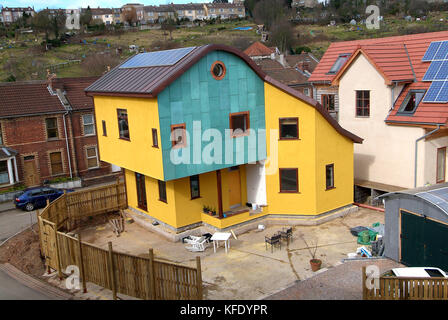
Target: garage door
[[423, 242]]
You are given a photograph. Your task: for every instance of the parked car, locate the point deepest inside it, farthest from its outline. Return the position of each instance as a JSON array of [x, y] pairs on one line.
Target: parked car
[[34, 198], [416, 272]]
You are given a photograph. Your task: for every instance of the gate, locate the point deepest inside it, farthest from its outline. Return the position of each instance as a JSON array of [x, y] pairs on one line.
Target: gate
[[48, 243]]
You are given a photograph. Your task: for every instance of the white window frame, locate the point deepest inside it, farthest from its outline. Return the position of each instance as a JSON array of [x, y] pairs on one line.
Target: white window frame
[[84, 124], [96, 157]]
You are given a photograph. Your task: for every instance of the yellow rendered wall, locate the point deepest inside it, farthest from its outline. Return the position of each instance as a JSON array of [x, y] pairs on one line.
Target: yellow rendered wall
[[138, 154], [333, 148], [160, 210], [299, 154]]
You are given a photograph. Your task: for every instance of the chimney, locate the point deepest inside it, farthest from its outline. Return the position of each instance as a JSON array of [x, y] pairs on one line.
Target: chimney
[[303, 65], [281, 59], [50, 78]]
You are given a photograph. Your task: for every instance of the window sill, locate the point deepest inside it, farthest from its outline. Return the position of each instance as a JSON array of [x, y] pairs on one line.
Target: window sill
[[125, 139], [196, 198], [246, 134], [289, 139], [178, 146], [331, 188], [93, 168], [290, 192], [362, 117], [156, 147], [164, 201], [90, 135], [53, 139]]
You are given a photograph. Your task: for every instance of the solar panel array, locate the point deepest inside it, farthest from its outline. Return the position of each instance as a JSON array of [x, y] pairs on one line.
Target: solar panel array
[[157, 58], [437, 72]]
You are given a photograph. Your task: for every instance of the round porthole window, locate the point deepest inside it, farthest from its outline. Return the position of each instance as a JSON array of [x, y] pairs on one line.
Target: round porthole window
[[218, 70]]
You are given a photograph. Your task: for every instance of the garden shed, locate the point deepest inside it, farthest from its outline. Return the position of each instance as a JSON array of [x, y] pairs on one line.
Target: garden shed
[[416, 226]]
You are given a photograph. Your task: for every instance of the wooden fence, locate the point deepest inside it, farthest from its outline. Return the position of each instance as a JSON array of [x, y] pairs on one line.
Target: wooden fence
[[140, 277], [394, 288]]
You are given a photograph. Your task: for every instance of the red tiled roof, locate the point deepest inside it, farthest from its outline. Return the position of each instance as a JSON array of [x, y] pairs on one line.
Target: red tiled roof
[[74, 91], [416, 45], [258, 49], [27, 98], [33, 97], [391, 59]]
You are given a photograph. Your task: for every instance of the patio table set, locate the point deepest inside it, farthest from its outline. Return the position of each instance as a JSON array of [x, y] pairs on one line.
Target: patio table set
[[276, 238]]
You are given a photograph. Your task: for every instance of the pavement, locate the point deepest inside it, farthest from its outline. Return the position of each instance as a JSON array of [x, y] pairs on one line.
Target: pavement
[[248, 270], [342, 282]]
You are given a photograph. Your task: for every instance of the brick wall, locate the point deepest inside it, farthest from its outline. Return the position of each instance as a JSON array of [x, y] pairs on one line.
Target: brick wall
[[28, 136]]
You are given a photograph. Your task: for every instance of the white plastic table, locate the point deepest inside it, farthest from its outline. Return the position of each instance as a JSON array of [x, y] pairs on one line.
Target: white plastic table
[[221, 236]]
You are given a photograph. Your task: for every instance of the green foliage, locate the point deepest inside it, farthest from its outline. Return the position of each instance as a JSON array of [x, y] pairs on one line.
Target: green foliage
[[13, 189], [10, 78]]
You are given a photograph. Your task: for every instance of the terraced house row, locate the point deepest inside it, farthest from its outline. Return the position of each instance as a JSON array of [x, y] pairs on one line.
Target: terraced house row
[[206, 137]]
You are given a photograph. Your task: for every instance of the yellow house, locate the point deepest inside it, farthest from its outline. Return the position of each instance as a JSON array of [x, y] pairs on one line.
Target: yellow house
[[205, 137]]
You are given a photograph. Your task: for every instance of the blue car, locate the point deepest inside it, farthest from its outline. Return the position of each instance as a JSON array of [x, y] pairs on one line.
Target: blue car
[[34, 198]]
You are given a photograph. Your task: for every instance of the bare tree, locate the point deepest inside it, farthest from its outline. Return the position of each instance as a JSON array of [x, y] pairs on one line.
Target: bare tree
[[130, 16], [169, 25], [282, 35], [97, 64], [269, 11]]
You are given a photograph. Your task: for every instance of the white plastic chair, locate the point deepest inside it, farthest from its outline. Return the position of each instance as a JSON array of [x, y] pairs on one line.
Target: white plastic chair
[[196, 244]]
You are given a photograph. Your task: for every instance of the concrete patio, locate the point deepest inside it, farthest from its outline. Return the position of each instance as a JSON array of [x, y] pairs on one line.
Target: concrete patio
[[248, 271]]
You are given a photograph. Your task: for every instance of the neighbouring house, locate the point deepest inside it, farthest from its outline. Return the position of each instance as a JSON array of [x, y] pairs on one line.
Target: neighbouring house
[[9, 15], [292, 70], [47, 132], [206, 137], [388, 92], [103, 15], [416, 226]]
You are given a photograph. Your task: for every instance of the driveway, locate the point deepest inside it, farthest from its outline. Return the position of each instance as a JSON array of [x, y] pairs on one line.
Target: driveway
[[248, 271], [13, 221]]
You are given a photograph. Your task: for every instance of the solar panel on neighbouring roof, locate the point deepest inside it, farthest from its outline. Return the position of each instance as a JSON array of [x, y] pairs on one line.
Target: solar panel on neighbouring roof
[[442, 52], [157, 58], [432, 71], [442, 74], [443, 94], [433, 91], [432, 50]]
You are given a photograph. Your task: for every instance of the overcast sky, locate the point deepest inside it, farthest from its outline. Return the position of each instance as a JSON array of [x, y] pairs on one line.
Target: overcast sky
[[40, 4]]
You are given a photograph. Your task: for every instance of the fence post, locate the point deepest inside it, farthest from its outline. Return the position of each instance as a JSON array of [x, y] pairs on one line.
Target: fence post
[[151, 276], [364, 287], [199, 277], [112, 271], [55, 232], [81, 262]]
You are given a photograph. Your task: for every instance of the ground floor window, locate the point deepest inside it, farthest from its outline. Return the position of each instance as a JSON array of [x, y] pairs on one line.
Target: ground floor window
[[289, 181], [141, 191], [194, 187], [441, 164], [56, 163], [92, 157], [162, 191], [329, 174], [4, 175]]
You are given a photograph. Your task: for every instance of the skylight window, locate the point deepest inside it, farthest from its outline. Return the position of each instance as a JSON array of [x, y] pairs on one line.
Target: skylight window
[[342, 59], [411, 101]]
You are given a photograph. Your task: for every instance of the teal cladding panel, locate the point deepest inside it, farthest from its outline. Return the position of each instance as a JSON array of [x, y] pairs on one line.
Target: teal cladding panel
[[196, 97]]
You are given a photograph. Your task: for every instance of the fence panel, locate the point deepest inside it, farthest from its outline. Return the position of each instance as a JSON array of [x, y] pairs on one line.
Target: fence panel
[[406, 288], [144, 278]]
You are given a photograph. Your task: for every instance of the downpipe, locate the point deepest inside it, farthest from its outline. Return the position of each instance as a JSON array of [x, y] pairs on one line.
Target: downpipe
[[66, 143], [416, 151]]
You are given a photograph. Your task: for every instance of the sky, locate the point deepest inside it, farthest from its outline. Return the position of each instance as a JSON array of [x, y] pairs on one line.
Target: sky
[[41, 4]]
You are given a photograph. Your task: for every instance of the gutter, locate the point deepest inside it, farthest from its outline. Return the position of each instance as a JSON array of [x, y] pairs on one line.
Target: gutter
[[416, 151]]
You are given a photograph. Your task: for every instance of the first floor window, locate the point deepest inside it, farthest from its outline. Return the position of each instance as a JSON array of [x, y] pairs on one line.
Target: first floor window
[[441, 164], [92, 157], [194, 187], [155, 139], [328, 102], [289, 181], [239, 123], [52, 128], [123, 126], [104, 128], [4, 175], [363, 103], [162, 191], [329, 174], [89, 124], [289, 128], [178, 135], [56, 163]]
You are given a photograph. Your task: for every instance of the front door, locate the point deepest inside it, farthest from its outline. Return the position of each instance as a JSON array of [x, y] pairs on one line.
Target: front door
[[31, 174], [141, 191], [234, 183]]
